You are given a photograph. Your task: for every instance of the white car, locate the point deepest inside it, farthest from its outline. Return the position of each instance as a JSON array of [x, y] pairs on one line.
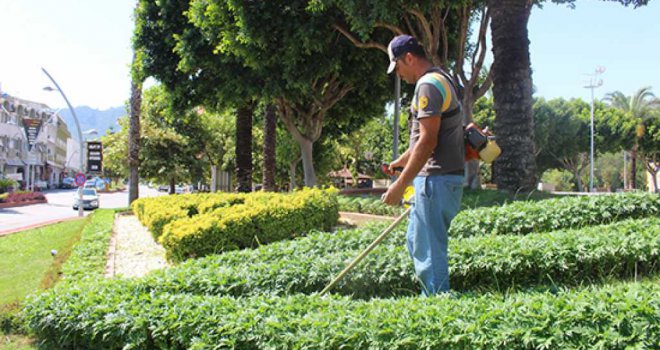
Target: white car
[[90, 199]]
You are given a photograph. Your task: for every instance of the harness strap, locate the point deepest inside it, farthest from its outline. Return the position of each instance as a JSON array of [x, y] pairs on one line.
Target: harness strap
[[441, 82]]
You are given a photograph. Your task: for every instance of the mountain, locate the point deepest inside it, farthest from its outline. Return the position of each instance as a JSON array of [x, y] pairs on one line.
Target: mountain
[[89, 118]]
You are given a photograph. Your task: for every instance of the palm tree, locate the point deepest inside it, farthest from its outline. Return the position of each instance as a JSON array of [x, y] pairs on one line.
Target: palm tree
[[134, 136], [270, 143], [638, 107], [244, 147], [512, 90]]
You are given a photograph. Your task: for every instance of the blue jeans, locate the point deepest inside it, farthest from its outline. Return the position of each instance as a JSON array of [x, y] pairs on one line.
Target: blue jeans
[[437, 201]]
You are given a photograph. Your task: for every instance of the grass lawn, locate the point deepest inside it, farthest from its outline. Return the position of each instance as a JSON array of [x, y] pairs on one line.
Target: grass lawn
[[27, 264], [16, 342]]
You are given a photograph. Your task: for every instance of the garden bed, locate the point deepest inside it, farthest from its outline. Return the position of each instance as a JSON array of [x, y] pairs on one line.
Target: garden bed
[[545, 288]]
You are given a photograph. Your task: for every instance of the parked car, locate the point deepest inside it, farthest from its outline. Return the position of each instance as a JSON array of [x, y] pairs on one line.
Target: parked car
[[89, 196], [68, 182]]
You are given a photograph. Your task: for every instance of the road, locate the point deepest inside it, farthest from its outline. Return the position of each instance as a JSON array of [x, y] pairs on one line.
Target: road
[[59, 207]]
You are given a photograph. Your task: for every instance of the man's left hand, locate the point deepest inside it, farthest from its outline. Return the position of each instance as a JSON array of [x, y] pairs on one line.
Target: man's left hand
[[394, 194]]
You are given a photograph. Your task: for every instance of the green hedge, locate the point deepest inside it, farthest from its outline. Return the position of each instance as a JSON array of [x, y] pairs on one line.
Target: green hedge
[[496, 263], [552, 214], [156, 212], [622, 315], [89, 257], [261, 219]]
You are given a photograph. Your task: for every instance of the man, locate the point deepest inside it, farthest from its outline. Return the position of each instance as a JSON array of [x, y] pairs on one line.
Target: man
[[434, 162]]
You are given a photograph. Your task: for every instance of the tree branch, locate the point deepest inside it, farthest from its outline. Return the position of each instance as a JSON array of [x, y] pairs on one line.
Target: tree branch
[[358, 43]]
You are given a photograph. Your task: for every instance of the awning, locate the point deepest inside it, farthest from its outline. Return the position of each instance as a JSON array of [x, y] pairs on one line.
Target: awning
[[55, 165], [34, 162], [15, 177], [15, 162]]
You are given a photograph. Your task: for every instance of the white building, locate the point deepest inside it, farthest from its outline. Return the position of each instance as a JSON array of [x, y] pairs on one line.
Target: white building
[[42, 164]]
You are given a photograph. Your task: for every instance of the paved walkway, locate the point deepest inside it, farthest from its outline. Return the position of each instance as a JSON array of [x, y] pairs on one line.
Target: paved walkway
[[133, 251]]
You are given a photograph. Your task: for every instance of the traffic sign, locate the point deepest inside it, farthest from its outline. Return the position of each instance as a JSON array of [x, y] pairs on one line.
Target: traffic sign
[[80, 179]]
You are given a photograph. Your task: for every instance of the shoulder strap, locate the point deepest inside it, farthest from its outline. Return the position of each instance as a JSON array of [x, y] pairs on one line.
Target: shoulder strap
[[441, 81]]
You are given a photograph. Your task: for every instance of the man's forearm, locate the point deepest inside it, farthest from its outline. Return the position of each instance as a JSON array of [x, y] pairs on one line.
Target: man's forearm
[[417, 157]]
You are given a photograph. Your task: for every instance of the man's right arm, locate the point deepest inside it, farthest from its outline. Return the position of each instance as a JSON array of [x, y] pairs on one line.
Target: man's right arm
[[400, 162]]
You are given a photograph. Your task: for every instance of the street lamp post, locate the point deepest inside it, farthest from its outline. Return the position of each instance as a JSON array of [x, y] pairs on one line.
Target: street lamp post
[[75, 118], [593, 83]]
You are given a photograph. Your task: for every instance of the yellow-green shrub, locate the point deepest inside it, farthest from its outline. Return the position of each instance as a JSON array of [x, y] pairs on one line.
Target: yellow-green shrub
[[262, 218]]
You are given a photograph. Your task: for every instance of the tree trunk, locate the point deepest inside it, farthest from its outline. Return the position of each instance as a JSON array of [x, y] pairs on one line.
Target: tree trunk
[[473, 181], [172, 186], [270, 143], [515, 169], [633, 167], [292, 174], [652, 166], [134, 141], [306, 147], [244, 148], [214, 178]]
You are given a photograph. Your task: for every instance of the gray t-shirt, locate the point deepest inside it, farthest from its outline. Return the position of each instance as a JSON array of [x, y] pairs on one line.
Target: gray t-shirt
[[449, 154]]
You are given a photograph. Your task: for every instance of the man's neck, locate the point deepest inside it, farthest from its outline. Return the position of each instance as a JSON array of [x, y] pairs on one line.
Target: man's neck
[[424, 67]]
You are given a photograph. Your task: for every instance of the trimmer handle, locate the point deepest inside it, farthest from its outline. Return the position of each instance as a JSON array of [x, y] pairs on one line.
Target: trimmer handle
[[385, 167]]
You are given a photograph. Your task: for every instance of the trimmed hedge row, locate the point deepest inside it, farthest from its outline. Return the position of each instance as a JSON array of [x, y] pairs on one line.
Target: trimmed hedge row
[[156, 212], [622, 315], [261, 219], [493, 263], [552, 214], [88, 258]]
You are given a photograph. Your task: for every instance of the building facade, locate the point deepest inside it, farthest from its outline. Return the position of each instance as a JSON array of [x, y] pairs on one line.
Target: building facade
[[34, 144]]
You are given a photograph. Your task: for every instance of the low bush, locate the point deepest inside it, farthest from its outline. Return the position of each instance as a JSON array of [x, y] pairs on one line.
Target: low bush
[[261, 219], [570, 212], [19, 197], [495, 263], [88, 258], [617, 316]]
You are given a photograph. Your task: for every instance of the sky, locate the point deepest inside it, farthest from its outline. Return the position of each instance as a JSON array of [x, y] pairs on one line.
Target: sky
[[86, 46]]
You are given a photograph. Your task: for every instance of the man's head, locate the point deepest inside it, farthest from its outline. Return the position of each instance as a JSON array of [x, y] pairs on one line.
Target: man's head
[[404, 52]]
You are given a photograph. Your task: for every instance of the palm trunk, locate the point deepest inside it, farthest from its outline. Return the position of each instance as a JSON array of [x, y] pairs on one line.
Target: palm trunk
[[633, 167], [172, 186], [244, 148], [515, 169], [134, 141], [270, 144]]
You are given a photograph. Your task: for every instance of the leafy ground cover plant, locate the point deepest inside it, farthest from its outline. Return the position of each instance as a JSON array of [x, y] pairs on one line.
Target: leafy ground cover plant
[[88, 258], [552, 214], [626, 249], [471, 199], [622, 315]]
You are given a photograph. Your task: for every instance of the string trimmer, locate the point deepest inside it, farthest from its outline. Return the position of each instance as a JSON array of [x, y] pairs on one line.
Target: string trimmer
[[407, 199]]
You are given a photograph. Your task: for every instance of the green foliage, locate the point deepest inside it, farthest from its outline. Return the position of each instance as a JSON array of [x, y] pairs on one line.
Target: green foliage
[[561, 179], [197, 225], [5, 184], [248, 298], [471, 199], [88, 258], [102, 317], [527, 217]]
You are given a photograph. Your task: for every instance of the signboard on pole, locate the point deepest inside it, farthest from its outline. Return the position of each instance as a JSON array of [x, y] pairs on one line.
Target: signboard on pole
[[80, 179], [94, 157], [32, 128]]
